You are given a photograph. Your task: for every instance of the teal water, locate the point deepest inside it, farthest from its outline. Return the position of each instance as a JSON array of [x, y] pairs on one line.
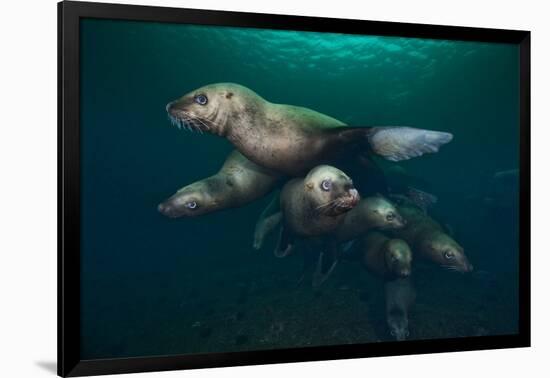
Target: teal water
[[156, 286]]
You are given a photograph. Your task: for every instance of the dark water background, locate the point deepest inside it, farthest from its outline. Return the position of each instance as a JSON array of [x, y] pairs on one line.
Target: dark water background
[[154, 286]]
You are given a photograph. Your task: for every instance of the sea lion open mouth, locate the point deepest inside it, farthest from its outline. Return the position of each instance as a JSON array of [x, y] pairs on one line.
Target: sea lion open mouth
[[349, 201]]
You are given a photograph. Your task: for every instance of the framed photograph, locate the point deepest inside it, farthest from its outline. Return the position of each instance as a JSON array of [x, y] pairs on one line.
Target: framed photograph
[[239, 188]]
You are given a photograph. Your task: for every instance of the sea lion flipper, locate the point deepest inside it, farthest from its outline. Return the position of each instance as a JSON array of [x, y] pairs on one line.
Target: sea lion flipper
[[397, 143], [285, 244], [325, 266]]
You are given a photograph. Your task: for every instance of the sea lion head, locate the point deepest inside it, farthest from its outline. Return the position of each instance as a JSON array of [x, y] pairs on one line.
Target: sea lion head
[[331, 190], [398, 257], [398, 324], [213, 108], [190, 201], [445, 251], [382, 214]]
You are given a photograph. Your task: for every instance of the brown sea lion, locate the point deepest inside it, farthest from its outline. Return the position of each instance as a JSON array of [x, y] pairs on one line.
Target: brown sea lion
[[429, 240], [400, 296], [315, 205], [386, 257], [375, 212], [238, 182], [291, 139]]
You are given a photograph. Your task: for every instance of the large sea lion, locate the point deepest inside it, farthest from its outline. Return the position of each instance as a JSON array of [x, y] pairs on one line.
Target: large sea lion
[[238, 182], [385, 257], [400, 296], [429, 240], [291, 139]]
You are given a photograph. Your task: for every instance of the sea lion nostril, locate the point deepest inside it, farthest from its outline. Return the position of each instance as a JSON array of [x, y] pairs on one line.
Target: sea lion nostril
[[163, 209], [169, 107]]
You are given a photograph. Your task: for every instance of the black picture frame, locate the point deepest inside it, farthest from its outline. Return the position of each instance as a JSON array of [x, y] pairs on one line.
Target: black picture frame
[[69, 15]]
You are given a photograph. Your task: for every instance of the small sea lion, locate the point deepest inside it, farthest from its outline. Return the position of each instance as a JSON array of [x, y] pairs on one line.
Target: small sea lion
[[291, 139], [384, 256], [429, 240], [400, 296], [374, 212], [238, 182]]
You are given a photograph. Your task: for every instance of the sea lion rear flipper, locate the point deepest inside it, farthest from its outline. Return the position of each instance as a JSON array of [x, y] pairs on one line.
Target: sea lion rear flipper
[[285, 244], [397, 143]]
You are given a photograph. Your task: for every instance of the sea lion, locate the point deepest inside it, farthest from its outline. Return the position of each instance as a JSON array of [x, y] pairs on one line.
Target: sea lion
[[291, 139], [312, 208], [237, 183], [429, 240], [374, 212], [400, 296], [386, 257]]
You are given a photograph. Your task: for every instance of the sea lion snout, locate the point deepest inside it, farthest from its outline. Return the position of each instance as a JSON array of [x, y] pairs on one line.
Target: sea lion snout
[[400, 222], [404, 273], [355, 197], [167, 210]]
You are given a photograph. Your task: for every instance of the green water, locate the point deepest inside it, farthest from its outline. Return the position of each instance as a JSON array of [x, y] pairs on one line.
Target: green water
[[155, 286]]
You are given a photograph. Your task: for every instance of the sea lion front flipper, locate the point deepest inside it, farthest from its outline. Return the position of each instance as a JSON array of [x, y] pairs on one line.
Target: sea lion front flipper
[[309, 259], [326, 264], [268, 220], [396, 143], [285, 244]]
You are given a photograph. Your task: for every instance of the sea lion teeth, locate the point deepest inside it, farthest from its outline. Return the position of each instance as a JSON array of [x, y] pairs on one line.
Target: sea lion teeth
[[291, 139]]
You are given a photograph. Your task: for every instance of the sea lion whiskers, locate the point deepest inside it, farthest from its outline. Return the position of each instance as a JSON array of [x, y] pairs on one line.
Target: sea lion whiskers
[[452, 268], [182, 123], [325, 207], [191, 120]]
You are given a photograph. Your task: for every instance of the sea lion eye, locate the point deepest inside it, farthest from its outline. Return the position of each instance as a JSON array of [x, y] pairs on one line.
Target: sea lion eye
[[390, 216], [201, 99], [449, 255], [191, 205], [326, 185]]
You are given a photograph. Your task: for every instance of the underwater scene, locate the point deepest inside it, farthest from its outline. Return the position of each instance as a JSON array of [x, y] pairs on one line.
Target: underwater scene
[[252, 189]]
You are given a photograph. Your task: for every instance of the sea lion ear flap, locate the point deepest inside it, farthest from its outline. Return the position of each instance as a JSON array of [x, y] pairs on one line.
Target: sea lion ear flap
[[309, 185], [396, 143]]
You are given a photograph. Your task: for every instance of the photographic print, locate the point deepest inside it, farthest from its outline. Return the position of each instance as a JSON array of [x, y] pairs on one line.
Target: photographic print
[[248, 189]]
